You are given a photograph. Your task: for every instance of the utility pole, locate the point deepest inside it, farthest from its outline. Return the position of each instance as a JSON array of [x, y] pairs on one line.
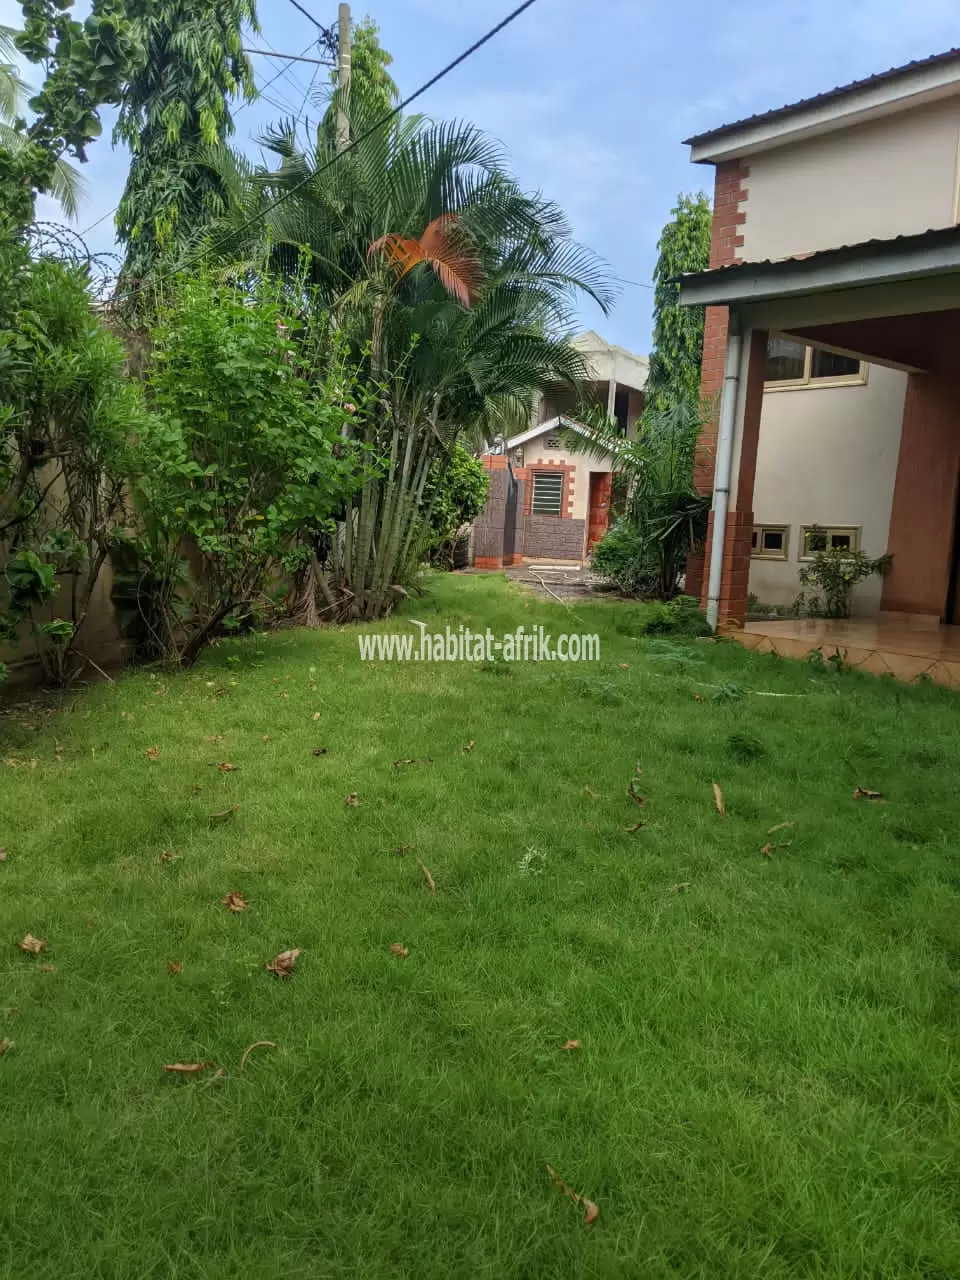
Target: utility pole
[[343, 76]]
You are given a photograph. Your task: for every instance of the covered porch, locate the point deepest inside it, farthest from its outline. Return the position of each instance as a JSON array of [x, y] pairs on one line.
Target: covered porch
[[894, 303]]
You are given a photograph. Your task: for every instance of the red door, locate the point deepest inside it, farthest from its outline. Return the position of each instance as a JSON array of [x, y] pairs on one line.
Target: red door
[[601, 483]]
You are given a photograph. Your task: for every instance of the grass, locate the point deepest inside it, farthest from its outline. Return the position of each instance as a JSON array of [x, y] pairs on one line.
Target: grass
[[767, 1084]]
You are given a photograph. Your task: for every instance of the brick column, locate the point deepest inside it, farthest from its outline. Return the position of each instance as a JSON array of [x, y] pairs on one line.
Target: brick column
[[738, 535], [726, 241]]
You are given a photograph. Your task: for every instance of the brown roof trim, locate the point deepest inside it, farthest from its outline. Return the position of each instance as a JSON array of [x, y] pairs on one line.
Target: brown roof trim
[[882, 77]]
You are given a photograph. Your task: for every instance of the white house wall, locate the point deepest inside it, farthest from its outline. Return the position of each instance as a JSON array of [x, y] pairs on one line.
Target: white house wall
[[536, 451], [889, 177], [828, 456]]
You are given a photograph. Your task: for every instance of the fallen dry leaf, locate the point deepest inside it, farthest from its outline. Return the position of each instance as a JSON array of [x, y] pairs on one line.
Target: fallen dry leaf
[[429, 878], [316, 715], [397, 764], [635, 828], [47, 968], [168, 856], [5, 1046], [399, 949], [257, 1044], [235, 902], [639, 767], [265, 738], [635, 796], [467, 747], [679, 888], [187, 1068], [226, 767], [3, 855], [33, 946], [152, 753], [196, 789], [57, 750], [697, 697], [779, 827], [224, 815], [718, 800], [214, 738], [624, 666], [769, 848], [353, 799], [174, 967], [400, 849], [320, 751], [282, 965], [159, 693], [570, 1045], [591, 1212], [862, 793], [594, 795]]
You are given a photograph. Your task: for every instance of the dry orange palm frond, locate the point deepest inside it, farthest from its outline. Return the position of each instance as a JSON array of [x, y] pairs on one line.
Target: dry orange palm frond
[[438, 248]]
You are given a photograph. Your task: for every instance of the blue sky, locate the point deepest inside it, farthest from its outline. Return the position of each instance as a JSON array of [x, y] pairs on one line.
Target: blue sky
[[591, 98]]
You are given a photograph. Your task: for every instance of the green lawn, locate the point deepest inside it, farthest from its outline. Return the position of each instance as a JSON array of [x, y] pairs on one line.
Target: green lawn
[[767, 1083]]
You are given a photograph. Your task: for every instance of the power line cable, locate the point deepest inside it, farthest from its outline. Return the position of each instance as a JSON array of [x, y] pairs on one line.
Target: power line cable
[[355, 142]]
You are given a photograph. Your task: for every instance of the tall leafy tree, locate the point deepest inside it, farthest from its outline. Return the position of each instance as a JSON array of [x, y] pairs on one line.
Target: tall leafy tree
[[369, 63], [174, 106], [64, 182], [684, 246], [85, 65]]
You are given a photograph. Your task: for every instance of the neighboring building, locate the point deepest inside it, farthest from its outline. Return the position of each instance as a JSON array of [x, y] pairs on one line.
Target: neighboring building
[[833, 304], [548, 499]]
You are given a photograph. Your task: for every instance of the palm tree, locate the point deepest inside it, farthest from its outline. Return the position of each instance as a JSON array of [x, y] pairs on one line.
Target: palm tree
[[66, 185], [452, 287]]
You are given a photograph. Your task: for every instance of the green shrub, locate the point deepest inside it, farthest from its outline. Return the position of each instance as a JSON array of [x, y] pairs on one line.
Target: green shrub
[[827, 582], [623, 557], [681, 616], [455, 493], [247, 462]]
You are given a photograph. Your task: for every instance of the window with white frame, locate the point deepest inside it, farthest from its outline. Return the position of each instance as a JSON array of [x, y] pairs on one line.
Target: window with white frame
[[836, 537], [770, 541], [547, 498], [795, 364]]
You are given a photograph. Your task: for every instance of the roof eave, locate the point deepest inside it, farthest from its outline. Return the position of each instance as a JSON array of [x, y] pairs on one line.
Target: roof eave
[[825, 114], [761, 282]]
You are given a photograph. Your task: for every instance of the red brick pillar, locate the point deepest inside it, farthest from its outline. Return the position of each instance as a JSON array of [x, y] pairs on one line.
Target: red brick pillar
[[726, 241], [738, 535]]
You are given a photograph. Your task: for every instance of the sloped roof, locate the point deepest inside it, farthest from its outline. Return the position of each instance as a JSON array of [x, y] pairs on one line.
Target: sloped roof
[[933, 252], [830, 95], [544, 428]]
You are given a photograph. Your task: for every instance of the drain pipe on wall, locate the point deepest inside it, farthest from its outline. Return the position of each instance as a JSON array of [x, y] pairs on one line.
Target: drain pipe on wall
[[724, 467]]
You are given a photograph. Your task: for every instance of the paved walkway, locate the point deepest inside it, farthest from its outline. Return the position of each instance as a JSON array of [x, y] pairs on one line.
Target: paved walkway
[[568, 582]]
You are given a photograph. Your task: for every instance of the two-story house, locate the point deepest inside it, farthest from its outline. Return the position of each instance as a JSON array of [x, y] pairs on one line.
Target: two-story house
[[832, 352]]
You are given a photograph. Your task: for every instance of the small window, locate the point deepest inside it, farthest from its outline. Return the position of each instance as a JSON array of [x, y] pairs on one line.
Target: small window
[[770, 542], [794, 364], [827, 364], [552, 442], [814, 538], [547, 497], [786, 360]]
